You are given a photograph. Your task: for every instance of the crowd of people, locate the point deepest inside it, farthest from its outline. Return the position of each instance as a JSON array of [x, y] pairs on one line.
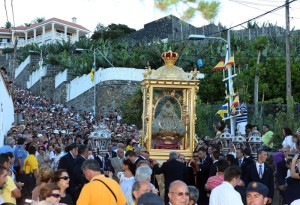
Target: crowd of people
[[47, 159]]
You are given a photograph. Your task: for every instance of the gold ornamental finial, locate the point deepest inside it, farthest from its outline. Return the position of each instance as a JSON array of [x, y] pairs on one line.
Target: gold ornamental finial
[[169, 57], [148, 71]]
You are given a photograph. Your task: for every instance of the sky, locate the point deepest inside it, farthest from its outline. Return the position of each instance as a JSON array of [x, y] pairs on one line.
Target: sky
[[136, 13]]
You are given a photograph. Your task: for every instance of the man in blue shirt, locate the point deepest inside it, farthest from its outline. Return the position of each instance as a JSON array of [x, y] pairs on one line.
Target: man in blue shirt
[[20, 154]]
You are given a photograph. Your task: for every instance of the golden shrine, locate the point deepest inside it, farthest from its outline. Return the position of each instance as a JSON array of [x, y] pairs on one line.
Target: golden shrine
[[169, 97]]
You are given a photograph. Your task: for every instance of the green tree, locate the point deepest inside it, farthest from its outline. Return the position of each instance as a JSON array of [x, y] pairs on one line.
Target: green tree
[[113, 31], [7, 25], [132, 109], [39, 20], [208, 9]]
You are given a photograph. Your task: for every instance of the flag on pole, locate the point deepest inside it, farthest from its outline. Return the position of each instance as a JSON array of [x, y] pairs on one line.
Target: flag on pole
[[92, 73], [223, 111], [220, 66], [230, 62], [235, 104]]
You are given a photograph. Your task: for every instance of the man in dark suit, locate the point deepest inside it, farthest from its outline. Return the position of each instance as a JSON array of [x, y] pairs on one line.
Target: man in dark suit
[[110, 154], [242, 162], [131, 155], [76, 176], [213, 167], [202, 175], [261, 172], [172, 169], [66, 161], [143, 154]]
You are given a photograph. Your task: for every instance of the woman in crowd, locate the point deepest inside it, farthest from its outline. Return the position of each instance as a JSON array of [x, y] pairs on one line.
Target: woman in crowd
[[43, 158], [288, 138], [143, 173], [127, 180], [50, 192], [61, 179], [44, 177], [286, 143]]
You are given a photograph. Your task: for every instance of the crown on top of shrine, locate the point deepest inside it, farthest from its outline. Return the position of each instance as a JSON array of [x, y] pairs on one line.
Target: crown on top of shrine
[[169, 57]]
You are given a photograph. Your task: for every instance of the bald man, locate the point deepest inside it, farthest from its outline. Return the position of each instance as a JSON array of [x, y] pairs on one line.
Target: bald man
[[178, 193]]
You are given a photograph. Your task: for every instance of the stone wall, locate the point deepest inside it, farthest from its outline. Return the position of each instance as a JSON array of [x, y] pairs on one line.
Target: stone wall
[[60, 94], [23, 77], [109, 96], [46, 85]]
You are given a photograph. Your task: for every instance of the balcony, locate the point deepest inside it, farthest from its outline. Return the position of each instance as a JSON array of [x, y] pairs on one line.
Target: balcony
[[40, 39]]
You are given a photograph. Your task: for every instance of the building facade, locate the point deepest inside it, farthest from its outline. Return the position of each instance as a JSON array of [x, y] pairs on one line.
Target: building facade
[[48, 31]]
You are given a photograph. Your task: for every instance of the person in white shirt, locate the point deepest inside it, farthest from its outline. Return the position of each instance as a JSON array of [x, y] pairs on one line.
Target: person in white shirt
[[225, 194], [288, 138], [296, 202]]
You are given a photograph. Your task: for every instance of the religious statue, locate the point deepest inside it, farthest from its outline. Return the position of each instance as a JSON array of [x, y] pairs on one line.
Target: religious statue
[[167, 127]]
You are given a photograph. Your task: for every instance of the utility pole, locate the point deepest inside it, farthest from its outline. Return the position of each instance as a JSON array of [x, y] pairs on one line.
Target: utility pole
[[287, 54]]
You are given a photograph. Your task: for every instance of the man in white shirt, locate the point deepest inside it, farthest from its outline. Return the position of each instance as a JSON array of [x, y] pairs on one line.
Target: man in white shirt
[[225, 193]]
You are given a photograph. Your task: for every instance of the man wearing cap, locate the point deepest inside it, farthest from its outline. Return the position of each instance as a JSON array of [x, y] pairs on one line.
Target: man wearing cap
[[257, 194]]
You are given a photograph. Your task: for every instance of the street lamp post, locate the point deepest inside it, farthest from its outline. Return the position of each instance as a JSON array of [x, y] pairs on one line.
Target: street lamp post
[[229, 71], [95, 50]]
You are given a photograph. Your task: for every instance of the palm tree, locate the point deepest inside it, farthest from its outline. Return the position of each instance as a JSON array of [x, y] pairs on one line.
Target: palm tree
[[39, 20], [7, 25], [260, 44]]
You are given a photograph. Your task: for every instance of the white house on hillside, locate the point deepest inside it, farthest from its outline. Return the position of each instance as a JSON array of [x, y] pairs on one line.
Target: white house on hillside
[[48, 31]]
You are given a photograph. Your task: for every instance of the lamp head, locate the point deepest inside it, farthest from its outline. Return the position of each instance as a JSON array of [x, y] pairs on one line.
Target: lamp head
[[196, 37]]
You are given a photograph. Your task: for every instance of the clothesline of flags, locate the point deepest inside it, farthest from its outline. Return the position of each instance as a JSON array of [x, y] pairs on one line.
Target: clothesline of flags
[[227, 109]]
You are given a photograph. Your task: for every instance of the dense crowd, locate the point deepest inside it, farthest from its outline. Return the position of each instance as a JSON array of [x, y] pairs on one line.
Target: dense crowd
[[48, 159]]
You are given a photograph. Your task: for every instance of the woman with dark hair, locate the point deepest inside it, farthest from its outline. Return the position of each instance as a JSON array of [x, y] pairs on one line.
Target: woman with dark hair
[[61, 179], [127, 181], [288, 138], [230, 159], [50, 192]]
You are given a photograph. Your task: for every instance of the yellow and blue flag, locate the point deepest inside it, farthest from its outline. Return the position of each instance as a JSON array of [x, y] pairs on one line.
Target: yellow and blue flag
[[92, 73], [223, 111]]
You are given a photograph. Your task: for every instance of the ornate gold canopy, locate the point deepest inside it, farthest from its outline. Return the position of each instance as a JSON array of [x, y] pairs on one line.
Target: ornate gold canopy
[[169, 96]]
